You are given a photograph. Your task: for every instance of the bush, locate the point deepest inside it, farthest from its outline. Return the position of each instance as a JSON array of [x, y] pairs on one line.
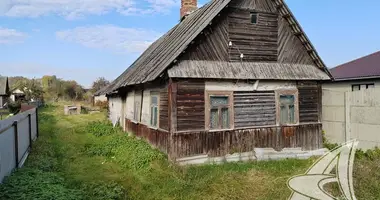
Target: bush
[[100, 128], [14, 107], [102, 104]]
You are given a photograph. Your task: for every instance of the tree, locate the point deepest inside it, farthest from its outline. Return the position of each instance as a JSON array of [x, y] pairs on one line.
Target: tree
[[99, 84], [32, 89]]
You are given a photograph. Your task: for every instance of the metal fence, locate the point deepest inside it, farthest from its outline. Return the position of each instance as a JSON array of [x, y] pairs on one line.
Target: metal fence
[[16, 137]]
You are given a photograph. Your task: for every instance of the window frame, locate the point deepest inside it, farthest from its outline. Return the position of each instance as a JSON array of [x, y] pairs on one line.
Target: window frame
[[293, 92], [154, 94], [257, 17], [360, 86], [208, 95], [137, 106]]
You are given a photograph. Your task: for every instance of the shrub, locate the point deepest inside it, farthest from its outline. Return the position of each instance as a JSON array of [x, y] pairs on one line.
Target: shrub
[[102, 104], [100, 128], [14, 107]]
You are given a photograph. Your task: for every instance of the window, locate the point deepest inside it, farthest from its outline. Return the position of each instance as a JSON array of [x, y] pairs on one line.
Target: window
[[254, 17], [219, 114], [287, 109], [357, 87], [137, 106], [154, 110]]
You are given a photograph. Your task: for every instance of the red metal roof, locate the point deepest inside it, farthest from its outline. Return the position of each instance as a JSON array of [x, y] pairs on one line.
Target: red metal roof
[[365, 67]]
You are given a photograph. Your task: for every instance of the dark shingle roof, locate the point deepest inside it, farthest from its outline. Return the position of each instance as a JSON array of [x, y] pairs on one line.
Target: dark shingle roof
[[365, 67], [162, 53], [4, 87]]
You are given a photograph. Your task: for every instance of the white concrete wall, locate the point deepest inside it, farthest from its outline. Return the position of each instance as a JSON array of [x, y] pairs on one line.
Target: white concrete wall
[[249, 86], [346, 86], [130, 103], [333, 115], [352, 115], [115, 109]]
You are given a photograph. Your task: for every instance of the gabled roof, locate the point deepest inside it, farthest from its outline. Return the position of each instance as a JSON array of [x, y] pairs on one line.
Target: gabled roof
[[4, 87], [365, 67], [164, 52]]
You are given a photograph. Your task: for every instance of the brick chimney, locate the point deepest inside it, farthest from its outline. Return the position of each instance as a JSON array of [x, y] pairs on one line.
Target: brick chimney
[[187, 6]]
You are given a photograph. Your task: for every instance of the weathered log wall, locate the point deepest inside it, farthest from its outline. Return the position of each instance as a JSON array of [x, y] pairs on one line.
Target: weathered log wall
[[310, 100], [158, 138], [258, 42], [190, 105], [220, 143], [164, 110], [254, 109]]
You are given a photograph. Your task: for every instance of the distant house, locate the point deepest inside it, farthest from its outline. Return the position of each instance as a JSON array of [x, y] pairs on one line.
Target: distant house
[[4, 90], [17, 95], [233, 77], [100, 95], [359, 74]]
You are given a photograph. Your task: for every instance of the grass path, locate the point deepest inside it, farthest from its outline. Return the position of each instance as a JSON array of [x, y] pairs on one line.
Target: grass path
[[77, 158]]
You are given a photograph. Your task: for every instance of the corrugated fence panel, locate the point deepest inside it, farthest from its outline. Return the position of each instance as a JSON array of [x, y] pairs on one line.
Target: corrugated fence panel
[[309, 102], [191, 105], [23, 137], [254, 109], [34, 126], [7, 153], [164, 112]]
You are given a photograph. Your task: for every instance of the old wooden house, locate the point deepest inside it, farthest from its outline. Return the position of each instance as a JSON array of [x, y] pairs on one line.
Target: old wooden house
[[234, 77], [4, 91]]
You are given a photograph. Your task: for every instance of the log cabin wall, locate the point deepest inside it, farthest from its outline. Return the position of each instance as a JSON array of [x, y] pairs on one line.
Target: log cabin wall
[[157, 137], [254, 109], [220, 143], [257, 42], [310, 101], [212, 44], [190, 104], [164, 109]]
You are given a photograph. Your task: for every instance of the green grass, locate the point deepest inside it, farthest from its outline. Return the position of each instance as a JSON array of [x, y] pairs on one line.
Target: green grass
[[83, 157]]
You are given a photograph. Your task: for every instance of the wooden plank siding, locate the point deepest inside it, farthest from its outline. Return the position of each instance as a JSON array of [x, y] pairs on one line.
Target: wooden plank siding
[[156, 137], [220, 143], [258, 5], [310, 100], [212, 44], [190, 105], [258, 42], [164, 110], [254, 109]]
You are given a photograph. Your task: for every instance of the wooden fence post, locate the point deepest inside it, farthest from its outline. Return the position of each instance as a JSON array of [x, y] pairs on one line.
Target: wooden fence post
[[30, 130], [16, 142]]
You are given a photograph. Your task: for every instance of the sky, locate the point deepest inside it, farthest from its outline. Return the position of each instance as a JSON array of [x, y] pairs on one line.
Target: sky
[[85, 39]]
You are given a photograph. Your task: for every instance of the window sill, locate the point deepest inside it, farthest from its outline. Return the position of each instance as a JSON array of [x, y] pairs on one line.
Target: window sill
[[219, 130]]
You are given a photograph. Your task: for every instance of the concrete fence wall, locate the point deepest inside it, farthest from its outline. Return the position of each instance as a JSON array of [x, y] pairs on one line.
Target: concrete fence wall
[[352, 115], [16, 136]]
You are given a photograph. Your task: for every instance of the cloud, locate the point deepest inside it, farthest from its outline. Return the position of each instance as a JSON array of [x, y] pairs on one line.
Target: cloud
[[73, 9], [11, 36], [110, 37]]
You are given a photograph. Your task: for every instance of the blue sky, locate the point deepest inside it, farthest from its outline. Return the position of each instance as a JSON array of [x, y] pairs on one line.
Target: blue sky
[[86, 39]]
